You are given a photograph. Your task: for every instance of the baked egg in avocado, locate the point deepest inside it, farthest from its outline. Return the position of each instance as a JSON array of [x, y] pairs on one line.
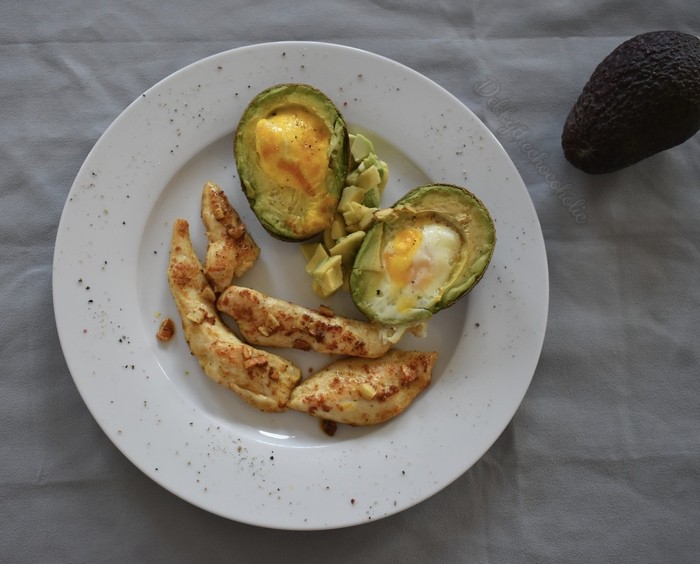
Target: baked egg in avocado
[[422, 254], [292, 154]]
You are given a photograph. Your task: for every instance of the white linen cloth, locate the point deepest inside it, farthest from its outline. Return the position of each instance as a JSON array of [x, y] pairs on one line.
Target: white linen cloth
[[601, 463]]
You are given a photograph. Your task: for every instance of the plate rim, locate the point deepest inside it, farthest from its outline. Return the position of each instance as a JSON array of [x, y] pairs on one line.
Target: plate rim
[[292, 45]]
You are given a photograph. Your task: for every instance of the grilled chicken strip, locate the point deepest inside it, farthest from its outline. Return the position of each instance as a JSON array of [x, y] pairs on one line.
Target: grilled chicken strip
[[262, 379], [231, 250], [360, 391], [271, 322]]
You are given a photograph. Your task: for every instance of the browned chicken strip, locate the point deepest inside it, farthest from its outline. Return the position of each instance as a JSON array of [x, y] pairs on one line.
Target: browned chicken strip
[[231, 251], [359, 391], [262, 379], [271, 322]]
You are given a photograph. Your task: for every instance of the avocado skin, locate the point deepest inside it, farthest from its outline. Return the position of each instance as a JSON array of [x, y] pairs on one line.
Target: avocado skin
[[643, 98]]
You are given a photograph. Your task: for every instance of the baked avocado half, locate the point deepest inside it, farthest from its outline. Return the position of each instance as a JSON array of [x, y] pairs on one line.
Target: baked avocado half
[[422, 254], [292, 154], [643, 98]]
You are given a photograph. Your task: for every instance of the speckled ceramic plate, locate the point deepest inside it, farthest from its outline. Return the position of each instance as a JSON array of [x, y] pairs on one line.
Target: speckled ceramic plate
[[199, 440]]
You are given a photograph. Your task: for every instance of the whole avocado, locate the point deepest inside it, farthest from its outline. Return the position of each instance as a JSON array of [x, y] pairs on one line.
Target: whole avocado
[[643, 98]]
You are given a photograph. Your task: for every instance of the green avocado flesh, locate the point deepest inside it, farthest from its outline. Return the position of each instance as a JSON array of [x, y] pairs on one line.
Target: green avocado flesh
[[422, 254], [643, 98], [292, 155]]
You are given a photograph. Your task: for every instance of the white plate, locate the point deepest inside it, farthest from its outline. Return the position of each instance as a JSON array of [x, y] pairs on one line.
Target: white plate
[[201, 441]]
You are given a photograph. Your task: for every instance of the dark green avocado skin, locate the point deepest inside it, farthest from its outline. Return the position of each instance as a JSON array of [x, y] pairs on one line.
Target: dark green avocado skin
[[643, 98]]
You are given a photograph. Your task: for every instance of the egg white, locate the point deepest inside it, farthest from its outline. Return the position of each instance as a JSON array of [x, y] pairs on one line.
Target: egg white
[[431, 267]]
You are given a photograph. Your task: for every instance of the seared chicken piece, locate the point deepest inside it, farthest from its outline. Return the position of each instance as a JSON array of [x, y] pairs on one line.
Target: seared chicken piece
[[271, 322], [231, 250], [260, 378], [358, 391]]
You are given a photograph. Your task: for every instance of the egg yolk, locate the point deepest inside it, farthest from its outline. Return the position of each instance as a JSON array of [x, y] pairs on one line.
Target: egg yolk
[[399, 255], [418, 262], [293, 144]]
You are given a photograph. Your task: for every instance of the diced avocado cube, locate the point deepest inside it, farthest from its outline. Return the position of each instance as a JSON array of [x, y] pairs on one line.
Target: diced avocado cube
[[369, 178], [346, 247], [350, 194], [360, 147], [338, 229], [328, 276], [366, 218], [308, 250], [384, 173], [351, 179], [369, 160], [372, 197], [374, 160], [317, 257], [358, 217], [352, 215]]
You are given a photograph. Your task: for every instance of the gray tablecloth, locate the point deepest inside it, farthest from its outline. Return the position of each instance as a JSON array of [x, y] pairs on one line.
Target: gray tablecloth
[[601, 463]]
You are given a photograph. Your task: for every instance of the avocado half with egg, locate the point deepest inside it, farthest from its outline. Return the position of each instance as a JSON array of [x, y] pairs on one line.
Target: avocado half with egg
[[422, 254], [292, 154]]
